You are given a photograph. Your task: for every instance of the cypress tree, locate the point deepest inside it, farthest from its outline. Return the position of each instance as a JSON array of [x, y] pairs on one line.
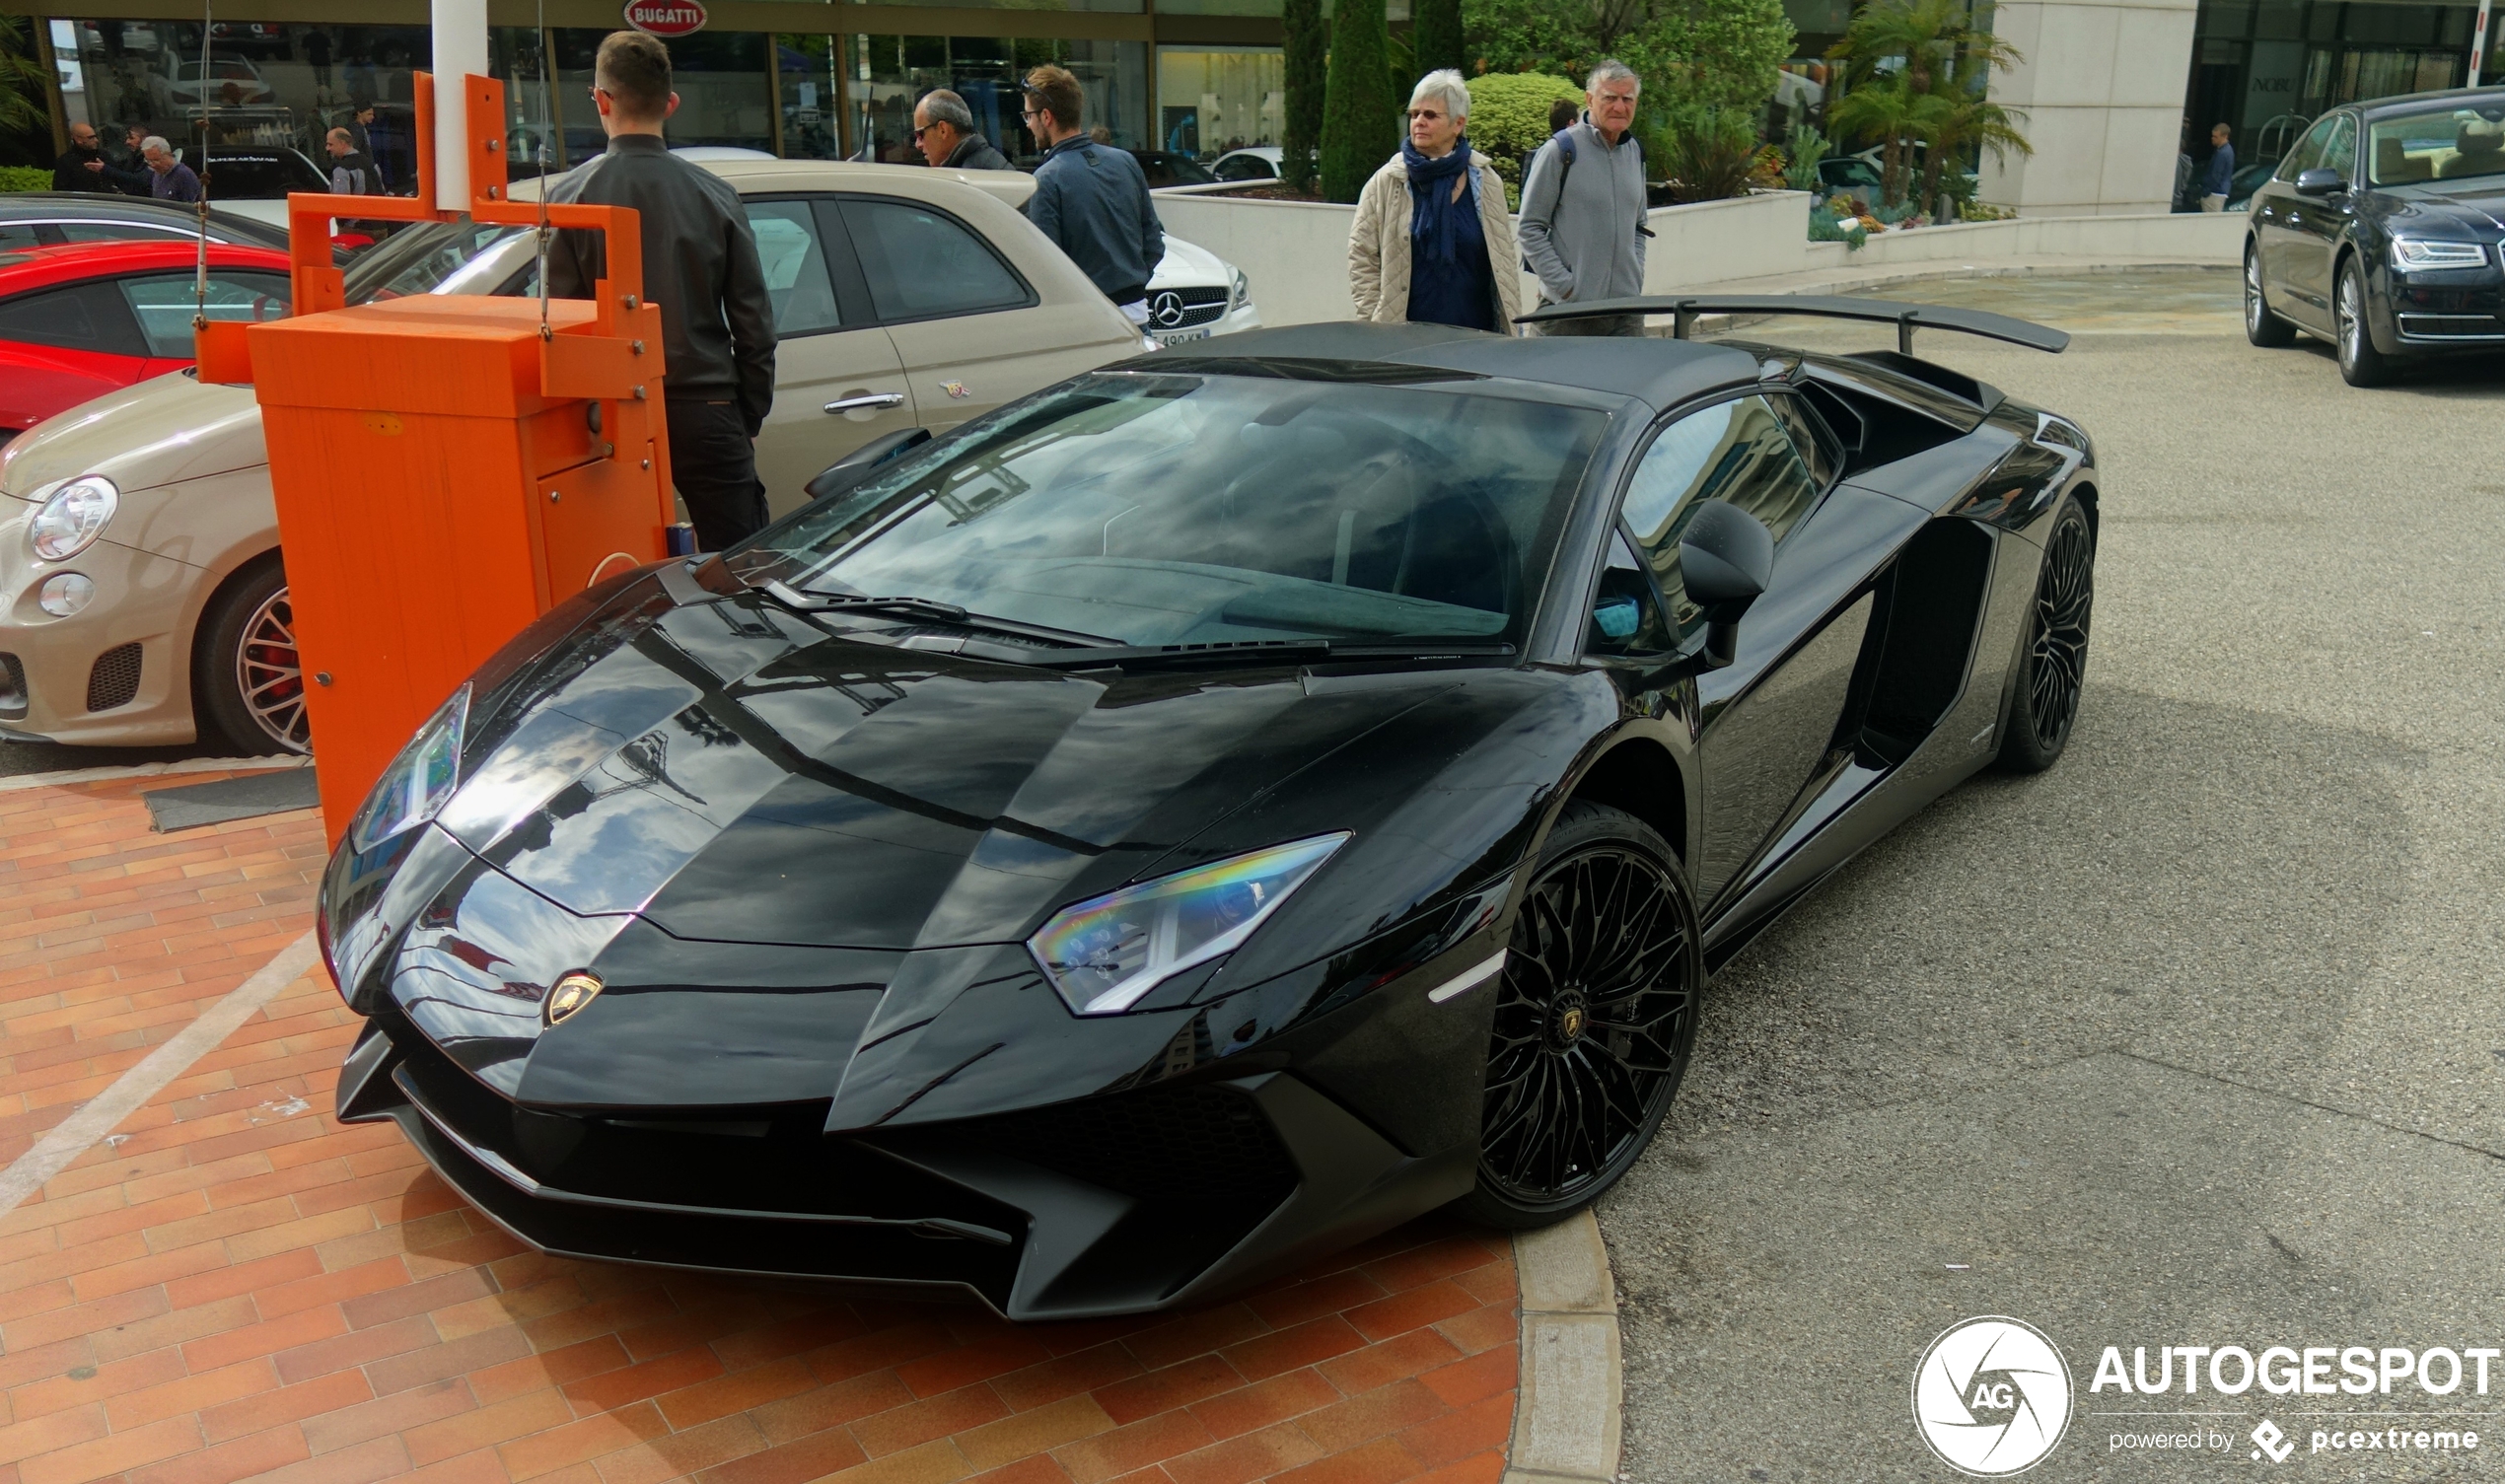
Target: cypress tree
[[1308, 53], [1359, 131], [1435, 36]]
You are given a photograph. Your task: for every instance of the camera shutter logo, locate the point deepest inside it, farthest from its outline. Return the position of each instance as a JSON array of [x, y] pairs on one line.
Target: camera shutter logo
[[1992, 1396]]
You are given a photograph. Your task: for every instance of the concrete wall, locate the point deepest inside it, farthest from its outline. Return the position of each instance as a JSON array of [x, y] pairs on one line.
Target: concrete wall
[[2102, 91], [1296, 252]]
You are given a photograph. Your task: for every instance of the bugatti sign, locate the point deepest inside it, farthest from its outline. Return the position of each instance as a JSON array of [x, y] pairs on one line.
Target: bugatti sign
[[665, 18]]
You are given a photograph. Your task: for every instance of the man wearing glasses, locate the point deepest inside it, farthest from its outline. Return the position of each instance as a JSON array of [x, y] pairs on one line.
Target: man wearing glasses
[[944, 131], [1090, 199], [1583, 206], [700, 267]]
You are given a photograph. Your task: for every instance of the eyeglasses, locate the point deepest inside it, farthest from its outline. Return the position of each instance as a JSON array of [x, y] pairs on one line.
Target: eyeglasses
[[1425, 113]]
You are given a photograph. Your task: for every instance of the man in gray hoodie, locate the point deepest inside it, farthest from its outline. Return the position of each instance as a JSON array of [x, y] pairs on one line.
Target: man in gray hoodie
[[1583, 207]]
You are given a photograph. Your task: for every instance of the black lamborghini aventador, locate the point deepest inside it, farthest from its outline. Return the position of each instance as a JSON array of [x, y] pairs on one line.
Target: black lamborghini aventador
[[1205, 813]]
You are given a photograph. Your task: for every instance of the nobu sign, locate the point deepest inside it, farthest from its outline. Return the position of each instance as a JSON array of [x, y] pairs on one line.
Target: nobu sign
[[665, 18]]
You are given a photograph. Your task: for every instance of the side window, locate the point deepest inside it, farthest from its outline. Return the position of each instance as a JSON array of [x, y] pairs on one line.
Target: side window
[[922, 266], [19, 234], [795, 263], [2340, 154], [83, 316], [1740, 451], [1809, 435], [121, 232], [1626, 619], [165, 304], [2307, 152]]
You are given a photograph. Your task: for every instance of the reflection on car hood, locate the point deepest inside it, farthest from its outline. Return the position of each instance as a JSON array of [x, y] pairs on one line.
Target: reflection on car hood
[[161, 431], [735, 773], [1188, 266], [2477, 204]]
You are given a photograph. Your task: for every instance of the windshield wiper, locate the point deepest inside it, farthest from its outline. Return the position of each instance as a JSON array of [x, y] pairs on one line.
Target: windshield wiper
[[1254, 652], [929, 609]]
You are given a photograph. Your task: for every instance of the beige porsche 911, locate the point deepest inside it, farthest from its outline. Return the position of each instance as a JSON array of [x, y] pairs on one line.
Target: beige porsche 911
[[142, 599]]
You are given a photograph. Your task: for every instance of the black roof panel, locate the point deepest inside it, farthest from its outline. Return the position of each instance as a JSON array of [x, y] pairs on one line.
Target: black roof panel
[[1653, 370]]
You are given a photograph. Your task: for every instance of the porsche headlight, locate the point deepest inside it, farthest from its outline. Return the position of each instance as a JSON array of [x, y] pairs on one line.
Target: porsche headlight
[[418, 781], [1107, 952], [70, 522], [2410, 253]]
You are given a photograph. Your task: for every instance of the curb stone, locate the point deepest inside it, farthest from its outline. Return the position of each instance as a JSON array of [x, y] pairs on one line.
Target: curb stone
[[1568, 1417]]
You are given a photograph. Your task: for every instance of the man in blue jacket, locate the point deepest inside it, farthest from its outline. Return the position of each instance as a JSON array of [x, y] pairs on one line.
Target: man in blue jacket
[[2220, 177], [1090, 199]]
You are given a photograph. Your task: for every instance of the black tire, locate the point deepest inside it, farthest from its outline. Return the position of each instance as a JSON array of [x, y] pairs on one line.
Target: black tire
[[246, 686], [2360, 364], [2053, 669], [2262, 325], [1595, 1015]]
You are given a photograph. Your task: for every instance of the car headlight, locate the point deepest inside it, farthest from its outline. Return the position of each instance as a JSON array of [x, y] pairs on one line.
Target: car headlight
[[70, 522], [418, 781], [1107, 952], [2409, 253], [1241, 294]]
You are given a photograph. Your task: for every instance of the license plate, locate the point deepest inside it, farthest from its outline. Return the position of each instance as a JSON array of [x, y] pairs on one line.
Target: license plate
[[1177, 336]]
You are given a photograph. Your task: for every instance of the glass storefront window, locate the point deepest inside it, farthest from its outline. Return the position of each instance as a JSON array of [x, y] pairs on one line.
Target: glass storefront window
[[262, 87], [723, 95], [2267, 68], [1214, 99], [889, 73]]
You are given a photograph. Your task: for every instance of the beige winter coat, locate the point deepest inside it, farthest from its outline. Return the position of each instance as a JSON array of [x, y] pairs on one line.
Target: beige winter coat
[[1379, 243]]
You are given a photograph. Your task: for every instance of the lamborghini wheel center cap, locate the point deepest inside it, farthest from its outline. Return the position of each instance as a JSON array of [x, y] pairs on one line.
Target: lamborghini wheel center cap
[[571, 994]]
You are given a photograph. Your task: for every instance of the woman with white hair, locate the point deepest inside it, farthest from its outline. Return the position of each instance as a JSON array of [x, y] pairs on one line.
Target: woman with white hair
[[1433, 242]]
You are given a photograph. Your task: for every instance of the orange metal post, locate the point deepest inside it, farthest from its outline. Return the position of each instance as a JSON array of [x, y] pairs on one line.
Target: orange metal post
[[440, 473]]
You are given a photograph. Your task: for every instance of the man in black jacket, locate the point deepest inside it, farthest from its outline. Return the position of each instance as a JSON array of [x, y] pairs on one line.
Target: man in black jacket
[[944, 131], [700, 267], [84, 166]]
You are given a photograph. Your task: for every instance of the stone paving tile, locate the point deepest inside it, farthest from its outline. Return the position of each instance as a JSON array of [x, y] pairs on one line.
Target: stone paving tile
[[238, 1288]]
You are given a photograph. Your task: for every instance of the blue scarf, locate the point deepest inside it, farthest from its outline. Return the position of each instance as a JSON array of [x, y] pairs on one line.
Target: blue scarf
[[1434, 229]]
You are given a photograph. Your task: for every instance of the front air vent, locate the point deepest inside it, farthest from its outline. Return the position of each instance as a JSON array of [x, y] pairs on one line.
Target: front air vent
[[12, 687], [115, 682], [2453, 327]]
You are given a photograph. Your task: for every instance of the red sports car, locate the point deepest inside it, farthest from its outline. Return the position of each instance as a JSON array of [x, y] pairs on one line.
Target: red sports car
[[78, 322]]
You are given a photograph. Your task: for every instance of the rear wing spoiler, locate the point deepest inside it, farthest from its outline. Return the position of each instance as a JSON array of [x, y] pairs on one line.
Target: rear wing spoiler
[[1907, 317]]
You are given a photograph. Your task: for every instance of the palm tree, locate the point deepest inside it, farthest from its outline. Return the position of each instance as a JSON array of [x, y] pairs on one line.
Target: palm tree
[[1968, 121], [1894, 112], [24, 106]]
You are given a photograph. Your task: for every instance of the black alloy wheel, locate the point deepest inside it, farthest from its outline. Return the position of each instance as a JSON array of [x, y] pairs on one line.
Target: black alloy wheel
[[2054, 669], [2260, 325], [248, 683], [2360, 364], [1595, 1016]]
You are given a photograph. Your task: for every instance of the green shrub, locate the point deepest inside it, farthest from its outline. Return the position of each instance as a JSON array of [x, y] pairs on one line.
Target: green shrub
[[1308, 48], [1802, 148], [1509, 111], [1707, 152], [1825, 228], [1360, 128], [17, 177]]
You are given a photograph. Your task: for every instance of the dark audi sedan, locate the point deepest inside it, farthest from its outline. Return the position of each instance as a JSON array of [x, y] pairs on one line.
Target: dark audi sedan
[[2381, 231]]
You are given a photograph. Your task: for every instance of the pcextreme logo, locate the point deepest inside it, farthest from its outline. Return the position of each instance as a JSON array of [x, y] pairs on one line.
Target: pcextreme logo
[[1991, 1396]]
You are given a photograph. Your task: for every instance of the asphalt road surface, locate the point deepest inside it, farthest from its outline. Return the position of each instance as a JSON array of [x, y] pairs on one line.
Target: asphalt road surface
[[2195, 1041]]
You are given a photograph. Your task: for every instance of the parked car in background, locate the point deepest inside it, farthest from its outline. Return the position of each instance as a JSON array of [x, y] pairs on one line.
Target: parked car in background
[[902, 299], [254, 182], [1259, 161], [2383, 232], [51, 218], [189, 82], [1166, 167], [79, 322]]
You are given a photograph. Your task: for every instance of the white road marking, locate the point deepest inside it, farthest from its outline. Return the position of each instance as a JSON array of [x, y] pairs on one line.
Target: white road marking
[[77, 1133]]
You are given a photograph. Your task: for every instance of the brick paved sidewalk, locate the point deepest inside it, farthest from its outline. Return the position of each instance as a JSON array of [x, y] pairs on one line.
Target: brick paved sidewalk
[[235, 1287]]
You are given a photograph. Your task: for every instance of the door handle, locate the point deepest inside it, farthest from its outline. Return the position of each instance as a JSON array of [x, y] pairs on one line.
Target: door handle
[[868, 401]]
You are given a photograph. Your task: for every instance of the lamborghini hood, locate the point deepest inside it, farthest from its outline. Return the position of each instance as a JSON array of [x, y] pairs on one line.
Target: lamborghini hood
[[734, 772]]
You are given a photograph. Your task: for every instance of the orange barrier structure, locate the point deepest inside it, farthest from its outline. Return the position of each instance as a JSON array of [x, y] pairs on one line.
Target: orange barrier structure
[[447, 468]]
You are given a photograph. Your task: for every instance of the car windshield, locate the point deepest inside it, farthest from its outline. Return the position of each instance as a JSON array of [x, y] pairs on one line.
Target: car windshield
[[420, 260], [1150, 509], [2447, 144], [261, 178]]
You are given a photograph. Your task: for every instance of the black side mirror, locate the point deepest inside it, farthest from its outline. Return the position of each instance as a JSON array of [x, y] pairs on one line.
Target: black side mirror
[[1725, 557], [856, 468], [2320, 182]]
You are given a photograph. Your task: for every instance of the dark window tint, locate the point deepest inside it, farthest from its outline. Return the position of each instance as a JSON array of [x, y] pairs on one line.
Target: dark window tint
[[2309, 149], [19, 234], [1740, 451], [795, 264], [1244, 167], [1625, 617], [165, 304], [922, 266], [1809, 437], [122, 232], [2342, 153], [84, 316]]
